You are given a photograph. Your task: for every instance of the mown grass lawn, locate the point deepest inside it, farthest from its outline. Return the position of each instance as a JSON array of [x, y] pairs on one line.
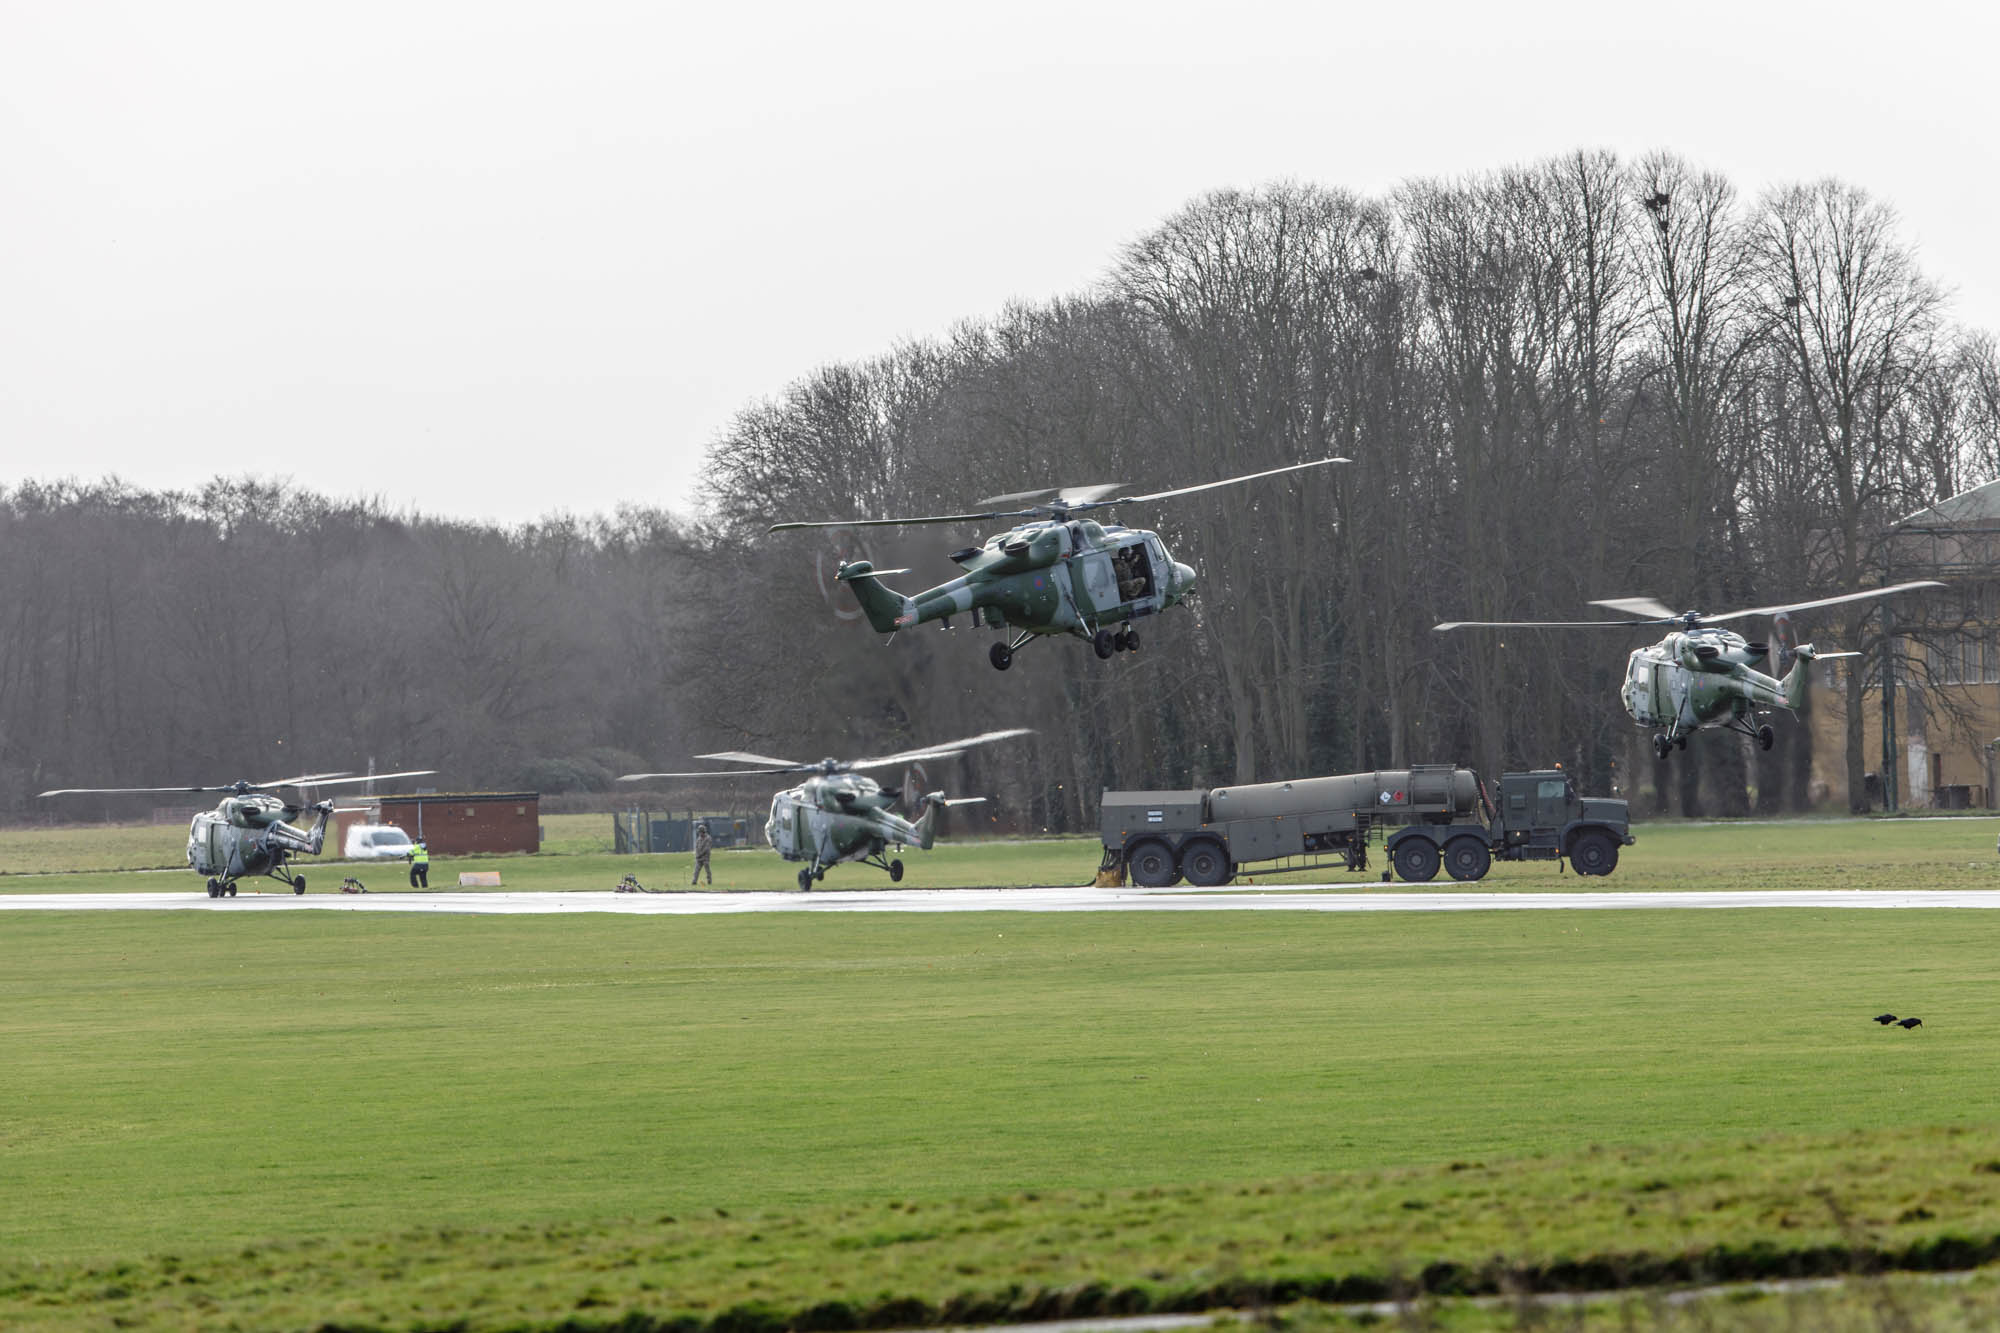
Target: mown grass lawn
[[400, 1122], [1953, 853]]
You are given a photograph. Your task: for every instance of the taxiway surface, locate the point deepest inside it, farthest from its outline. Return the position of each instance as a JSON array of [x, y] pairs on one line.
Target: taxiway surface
[[996, 900]]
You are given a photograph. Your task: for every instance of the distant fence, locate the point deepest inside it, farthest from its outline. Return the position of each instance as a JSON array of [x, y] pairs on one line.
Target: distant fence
[[642, 831]]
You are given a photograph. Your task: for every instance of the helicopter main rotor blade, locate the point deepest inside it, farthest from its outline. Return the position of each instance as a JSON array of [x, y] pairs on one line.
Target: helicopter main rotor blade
[[1211, 485], [131, 791], [718, 773], [902, 522], [745, 757], [1049, 497], [1039, 496], [1862, 596], [302, 779], [1070, 500], [336, 780], [1541, 624], [1637, 606], [943, 750]]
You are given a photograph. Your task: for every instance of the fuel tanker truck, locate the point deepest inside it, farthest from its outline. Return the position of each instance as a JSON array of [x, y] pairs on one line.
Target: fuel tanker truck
[[1432, 815]]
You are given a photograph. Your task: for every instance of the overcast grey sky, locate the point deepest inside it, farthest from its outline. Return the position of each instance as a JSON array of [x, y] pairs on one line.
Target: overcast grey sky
[[501, 259]]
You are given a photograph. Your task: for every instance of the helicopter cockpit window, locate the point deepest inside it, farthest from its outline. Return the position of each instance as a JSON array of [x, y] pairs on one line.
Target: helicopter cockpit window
[[1135, 573], [1076, 537]]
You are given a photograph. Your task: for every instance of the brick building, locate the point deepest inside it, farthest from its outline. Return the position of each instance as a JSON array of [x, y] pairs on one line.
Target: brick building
[[462, 823], [1944, 726]]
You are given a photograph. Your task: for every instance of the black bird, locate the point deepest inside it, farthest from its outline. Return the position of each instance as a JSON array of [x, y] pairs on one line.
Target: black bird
[[1885, 1019], [1911, 1023]]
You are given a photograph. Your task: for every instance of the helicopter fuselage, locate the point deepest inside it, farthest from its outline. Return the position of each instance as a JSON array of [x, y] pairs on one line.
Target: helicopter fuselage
[[1695, 677], [1050, 576], [247, 836], [844, 817]]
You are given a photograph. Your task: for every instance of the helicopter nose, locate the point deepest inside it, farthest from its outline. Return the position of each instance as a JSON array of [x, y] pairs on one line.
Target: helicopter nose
[[1183, 580]]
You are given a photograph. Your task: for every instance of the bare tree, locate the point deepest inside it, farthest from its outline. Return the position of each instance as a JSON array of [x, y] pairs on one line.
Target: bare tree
[[1857, 323]]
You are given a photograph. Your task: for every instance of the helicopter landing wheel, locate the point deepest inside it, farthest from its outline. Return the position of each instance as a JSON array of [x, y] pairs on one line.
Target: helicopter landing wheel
[[1680, 742], [895, 872], [299, 884], [1766, 737], [1001, 656], [214, 889], [229, 889], [1662, 747], [1131, 641], [805, 880], [1104, 643]]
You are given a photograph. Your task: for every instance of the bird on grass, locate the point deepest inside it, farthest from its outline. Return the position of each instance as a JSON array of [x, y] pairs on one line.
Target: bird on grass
[[1911, 1023], [1885, 1019]]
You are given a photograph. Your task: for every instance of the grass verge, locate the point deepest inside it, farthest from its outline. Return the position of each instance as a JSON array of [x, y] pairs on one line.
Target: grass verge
[[566, 1122]]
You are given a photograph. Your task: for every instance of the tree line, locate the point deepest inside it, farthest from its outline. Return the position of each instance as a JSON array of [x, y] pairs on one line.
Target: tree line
[[1578, 379]]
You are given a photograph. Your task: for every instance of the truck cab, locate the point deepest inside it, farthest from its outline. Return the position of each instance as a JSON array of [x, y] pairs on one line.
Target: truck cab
[[1535, 816], [1534, 807]]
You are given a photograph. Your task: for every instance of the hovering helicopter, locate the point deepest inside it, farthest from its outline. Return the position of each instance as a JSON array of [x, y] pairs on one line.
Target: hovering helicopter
[[1054, 574], [1702, 676], [837, 814], [247, 834]]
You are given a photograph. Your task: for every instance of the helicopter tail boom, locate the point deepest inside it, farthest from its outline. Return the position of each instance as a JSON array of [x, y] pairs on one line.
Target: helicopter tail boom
[[926, 823], [887, 610], [308, 841], [1795, 680]]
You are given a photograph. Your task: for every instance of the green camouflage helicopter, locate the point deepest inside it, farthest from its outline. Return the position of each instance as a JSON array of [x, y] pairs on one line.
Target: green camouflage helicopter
[[837, 814], [1056, 573], [1701, 676], [247, 834]]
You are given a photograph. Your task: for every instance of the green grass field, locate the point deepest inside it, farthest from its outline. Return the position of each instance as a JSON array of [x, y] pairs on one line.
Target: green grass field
[[743, 1123], [1879, 853]]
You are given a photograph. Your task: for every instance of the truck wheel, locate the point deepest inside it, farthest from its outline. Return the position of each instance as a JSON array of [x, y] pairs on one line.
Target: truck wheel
[[1151, 864], [1416, 860], [1205, 863], [1467, 859], [1593, 853]]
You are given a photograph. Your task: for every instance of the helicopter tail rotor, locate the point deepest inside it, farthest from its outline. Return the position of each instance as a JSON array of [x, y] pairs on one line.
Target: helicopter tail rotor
[[1787, 640], [933, 802], [915, 779]]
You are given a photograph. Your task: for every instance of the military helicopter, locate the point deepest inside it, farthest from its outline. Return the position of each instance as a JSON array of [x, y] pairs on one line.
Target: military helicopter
[[837, 814], [1056, 573], [247, 834], [1702, 676]]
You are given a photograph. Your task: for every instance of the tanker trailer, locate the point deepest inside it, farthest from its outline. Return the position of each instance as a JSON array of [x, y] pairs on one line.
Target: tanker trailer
[[1439, 814]]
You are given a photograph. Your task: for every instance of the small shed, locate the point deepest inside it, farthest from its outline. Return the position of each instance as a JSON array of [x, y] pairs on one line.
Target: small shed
[[462, 823]]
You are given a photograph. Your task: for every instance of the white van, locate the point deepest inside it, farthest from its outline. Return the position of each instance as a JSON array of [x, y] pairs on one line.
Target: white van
[[377, 842]]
